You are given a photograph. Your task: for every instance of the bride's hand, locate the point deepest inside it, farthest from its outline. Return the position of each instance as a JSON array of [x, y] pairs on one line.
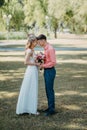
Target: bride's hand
[[37, 64]]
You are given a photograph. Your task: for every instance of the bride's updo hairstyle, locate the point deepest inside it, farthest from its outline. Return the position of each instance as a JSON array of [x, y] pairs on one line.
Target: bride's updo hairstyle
[[31, 39]]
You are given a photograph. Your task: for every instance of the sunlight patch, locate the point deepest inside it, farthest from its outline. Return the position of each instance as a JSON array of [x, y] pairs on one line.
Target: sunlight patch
[[58, 94], [83, 94], [7, 77], [67, 93], [4, 59], [7, 94], [79, 76], [70, 93], [12, 53], [72, 107], [74, 126], [77, 61]]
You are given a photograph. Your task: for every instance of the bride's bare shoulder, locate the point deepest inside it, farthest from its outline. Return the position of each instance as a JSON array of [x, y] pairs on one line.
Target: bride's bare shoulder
[[29, 51]]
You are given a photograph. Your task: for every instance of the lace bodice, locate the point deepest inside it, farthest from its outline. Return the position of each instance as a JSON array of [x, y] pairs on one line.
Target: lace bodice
[[32, 55]]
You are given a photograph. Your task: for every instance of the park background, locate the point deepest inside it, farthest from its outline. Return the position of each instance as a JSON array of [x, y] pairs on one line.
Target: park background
[[64, 22]]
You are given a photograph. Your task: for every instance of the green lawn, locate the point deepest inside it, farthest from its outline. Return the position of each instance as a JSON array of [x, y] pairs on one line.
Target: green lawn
[[70, 93]]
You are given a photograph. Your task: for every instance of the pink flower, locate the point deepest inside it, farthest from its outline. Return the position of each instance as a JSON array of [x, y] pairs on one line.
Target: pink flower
[[40, 58]]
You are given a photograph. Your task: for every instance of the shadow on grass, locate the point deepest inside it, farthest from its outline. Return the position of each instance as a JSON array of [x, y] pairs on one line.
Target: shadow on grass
[[58, 47], [70, 93]]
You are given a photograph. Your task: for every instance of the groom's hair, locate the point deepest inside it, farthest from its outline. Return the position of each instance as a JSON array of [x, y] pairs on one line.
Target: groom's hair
[[41, 37]]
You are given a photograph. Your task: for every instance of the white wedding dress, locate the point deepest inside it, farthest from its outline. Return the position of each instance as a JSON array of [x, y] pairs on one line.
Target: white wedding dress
[[28, 96]]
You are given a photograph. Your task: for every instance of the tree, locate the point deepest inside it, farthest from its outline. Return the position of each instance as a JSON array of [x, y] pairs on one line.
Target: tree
[[57, 10], [17, 15], [81, 16], [61, 13], [35, 12], [69, 12], [14, 8]]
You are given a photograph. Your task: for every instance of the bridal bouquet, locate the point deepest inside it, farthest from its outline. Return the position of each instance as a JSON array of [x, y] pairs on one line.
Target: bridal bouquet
[[40, 58]]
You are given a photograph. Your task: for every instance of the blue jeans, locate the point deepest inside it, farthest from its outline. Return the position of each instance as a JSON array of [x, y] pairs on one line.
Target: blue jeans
[[49, 76]]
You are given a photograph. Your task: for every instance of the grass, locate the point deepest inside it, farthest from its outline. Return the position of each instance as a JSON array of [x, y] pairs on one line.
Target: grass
[[70, 93]]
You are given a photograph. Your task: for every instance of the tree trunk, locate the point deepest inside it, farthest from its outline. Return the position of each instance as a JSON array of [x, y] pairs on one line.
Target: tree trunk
[[85, 29], [55, 33]]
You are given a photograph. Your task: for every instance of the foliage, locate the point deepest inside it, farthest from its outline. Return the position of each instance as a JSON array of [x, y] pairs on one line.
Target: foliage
[[17, 16], [35, 12], [14, 8], [28, 14]]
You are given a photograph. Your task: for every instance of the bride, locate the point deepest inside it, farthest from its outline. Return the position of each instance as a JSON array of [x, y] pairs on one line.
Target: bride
[[28, 96]]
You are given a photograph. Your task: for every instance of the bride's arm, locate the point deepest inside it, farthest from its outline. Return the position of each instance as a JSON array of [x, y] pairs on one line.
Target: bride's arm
[[27, 60]]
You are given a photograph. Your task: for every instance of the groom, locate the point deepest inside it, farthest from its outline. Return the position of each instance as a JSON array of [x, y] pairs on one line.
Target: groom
[[49, 73]]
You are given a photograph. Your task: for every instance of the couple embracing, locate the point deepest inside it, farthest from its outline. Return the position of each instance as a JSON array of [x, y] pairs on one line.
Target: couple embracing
[[28, 96]]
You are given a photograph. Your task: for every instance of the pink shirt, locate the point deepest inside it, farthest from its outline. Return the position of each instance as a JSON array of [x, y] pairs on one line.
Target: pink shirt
[[50, 60]]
